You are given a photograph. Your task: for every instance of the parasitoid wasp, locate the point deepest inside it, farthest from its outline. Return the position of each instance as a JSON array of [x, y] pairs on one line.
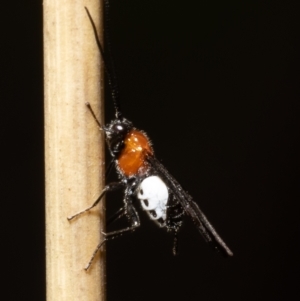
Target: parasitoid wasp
[[141, 176]]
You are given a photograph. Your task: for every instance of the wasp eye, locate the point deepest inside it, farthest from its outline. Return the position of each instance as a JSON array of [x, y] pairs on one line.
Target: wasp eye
[[146, 203], [141, 192]]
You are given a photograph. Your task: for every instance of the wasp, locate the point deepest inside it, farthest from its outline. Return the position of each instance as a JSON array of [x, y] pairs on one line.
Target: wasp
[[141, 175]]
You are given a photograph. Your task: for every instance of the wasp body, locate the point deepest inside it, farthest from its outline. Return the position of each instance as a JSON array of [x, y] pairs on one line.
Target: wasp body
[[142, 177]]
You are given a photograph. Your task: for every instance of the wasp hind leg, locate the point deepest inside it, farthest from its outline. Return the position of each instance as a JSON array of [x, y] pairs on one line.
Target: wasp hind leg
[[134, 219], [174, 222], [175, 243]]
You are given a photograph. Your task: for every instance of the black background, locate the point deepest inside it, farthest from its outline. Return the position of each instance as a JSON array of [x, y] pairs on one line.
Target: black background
[[215, 84]]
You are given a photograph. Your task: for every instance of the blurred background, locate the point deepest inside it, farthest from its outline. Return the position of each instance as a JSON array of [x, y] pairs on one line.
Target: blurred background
[[215, 84]]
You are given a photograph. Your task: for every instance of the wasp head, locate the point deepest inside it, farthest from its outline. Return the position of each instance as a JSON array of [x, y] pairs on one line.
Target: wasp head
[[115, 132]]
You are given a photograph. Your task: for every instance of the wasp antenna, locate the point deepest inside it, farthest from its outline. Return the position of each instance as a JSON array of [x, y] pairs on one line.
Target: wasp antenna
[[94, 116], [108, 61]]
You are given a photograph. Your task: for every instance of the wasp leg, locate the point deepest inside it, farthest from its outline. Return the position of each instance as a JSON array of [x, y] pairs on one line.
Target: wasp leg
[[117, 215], [110, 187], [133, 218], [175, 243], [109, 167], [94, 254], [132, 215]]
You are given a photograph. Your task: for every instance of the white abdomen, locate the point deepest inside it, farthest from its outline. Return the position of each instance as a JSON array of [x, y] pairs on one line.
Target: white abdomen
[[153, 194]]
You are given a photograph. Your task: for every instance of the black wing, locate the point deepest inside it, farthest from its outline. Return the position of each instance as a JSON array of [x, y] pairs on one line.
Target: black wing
[[191, 208]]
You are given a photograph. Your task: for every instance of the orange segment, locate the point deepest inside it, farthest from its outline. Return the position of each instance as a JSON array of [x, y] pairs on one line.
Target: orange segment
[[132, 157]]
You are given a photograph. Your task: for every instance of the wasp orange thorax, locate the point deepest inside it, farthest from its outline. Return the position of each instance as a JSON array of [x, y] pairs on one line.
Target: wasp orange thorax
[[133, 155]]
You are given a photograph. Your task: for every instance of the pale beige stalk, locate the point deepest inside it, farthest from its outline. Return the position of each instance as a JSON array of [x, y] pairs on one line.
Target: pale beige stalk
[[74, 150]]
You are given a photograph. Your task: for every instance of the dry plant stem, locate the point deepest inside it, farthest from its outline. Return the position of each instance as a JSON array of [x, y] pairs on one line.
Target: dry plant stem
[[74, 151]]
